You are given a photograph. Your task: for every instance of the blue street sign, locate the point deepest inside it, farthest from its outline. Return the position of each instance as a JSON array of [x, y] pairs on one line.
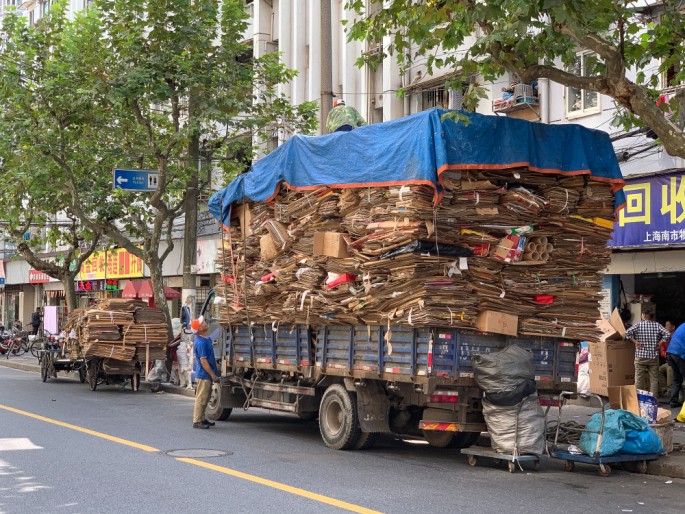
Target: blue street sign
[[136, 180]]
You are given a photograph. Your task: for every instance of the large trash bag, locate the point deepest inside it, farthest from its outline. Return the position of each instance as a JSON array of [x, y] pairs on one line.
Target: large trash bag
[[519, 427], [504, 370], [617, 423], [642, 442]]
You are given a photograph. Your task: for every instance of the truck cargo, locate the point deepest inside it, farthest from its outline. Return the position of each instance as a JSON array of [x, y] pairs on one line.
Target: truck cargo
[[362, 271]]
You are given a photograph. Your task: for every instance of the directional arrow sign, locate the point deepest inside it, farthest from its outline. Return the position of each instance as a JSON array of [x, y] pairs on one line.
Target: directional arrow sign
[[136, 180]]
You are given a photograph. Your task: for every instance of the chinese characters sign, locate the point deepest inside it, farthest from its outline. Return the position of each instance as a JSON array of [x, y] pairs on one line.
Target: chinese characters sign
[[39, 277], [114, 264], [654, 213]]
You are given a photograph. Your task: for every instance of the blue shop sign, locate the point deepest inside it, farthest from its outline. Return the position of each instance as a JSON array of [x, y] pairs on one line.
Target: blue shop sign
[[654, 214]]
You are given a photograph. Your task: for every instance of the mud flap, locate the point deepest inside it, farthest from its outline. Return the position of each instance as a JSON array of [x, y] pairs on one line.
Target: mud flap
[[373, 407]]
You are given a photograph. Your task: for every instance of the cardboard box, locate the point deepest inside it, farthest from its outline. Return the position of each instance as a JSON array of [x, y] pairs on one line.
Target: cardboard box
[[509, 249], [611, 363], [624, 397], [331, 244], [268, 248], [497, 323], [244, 213]]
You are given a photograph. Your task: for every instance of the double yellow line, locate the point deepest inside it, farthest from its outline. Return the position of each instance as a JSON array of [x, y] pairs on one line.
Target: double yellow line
[[220, 469]]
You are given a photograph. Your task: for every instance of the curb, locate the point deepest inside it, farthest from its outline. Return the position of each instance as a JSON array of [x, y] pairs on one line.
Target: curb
[[665, 467], [7, 363]]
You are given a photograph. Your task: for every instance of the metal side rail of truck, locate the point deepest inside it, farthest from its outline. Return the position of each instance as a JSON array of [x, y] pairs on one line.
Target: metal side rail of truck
[[362, 381]]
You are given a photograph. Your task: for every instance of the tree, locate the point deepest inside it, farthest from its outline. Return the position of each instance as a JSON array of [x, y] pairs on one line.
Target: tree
[[540, 39], [110, 87]]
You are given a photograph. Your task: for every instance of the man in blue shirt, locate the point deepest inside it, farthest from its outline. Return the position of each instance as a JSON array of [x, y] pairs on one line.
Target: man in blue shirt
[[675, 353], [205, 371]]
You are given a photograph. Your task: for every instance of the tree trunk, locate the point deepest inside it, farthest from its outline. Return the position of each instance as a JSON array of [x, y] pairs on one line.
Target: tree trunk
[[158, 287], [190, 227], [70, 291]]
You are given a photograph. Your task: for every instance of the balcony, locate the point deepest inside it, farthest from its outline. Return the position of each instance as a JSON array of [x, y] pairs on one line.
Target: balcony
[[516, 98]]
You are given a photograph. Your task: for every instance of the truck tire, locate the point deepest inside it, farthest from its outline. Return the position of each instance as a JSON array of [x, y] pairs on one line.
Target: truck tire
[[338, 422], [214, 411]]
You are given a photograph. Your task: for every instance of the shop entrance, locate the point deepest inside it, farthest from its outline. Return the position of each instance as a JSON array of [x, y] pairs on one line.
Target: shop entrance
[[668, 294]]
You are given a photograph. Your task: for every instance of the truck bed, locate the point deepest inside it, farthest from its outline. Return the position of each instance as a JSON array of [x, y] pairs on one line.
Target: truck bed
[[396, 353]]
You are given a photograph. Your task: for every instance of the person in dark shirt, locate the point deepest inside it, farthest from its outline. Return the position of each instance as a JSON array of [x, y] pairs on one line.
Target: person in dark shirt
[[36, 320]]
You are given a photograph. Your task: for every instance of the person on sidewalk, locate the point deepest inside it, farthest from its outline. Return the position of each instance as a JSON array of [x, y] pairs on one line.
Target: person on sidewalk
[[647, 334], [665, 370], [676, 359], [343, 118], [36, 320], [205, 371]]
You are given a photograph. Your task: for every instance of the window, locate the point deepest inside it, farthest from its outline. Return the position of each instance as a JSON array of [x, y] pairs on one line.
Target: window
[[580, 102]]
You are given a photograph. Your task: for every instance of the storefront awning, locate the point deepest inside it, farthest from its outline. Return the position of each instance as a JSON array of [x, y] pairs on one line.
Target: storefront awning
[[146, 292], [132, 289]]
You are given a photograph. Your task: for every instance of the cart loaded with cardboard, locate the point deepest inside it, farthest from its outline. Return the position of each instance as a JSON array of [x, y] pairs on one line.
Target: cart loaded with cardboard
[[119, 340]]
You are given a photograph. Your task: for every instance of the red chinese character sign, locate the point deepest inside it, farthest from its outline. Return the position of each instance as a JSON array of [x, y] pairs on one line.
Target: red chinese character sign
[[654, 214]]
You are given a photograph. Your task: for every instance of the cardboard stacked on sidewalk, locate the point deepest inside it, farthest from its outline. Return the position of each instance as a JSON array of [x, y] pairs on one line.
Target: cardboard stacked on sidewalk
[[389, 255]]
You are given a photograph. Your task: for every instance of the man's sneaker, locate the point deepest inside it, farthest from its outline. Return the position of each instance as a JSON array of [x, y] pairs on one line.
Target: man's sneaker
[[200, 425], [208, 423]]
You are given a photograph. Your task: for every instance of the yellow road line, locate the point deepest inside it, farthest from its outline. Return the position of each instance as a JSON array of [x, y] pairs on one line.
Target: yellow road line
[[81, 429], [226, 471], [283, 487]]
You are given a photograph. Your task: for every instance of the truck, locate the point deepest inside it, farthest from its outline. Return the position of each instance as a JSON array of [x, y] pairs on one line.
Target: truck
[[407, 377]]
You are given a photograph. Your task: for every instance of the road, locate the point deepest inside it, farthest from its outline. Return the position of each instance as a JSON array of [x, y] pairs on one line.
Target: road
[[66, 449]]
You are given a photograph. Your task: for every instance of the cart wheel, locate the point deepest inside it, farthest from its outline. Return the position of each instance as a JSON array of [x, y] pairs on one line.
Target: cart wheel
[[82, 374], [44, 368], [604, 470], [92, 375], [569, 465], [511, 466], [536, 465], [642, 467], [472, 460]]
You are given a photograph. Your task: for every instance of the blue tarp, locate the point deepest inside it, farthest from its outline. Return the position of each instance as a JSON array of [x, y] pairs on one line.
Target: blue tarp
[[416, 149]]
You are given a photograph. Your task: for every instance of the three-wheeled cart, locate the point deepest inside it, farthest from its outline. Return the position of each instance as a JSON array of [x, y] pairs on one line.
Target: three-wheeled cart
[[53, 358], [112, 372], [637, 463]]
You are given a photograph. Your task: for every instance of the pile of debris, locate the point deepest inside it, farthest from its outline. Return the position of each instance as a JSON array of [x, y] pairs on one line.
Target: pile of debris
[[516, 243]]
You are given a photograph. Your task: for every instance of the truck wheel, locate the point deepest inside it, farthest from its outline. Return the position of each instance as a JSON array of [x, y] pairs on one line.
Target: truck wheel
[[214, 411], [338, 421]]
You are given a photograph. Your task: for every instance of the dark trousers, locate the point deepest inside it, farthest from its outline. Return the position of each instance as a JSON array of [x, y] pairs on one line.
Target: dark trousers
[[678, 366], [35, 330]]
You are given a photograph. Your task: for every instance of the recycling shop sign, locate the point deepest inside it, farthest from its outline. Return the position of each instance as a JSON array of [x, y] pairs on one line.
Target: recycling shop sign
[[654, 214]]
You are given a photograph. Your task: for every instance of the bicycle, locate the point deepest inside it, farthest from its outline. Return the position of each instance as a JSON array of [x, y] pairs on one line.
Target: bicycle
[[37, 343], [13, 346]]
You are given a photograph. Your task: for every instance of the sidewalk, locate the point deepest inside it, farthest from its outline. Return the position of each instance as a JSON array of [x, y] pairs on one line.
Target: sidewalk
[[672, 465]]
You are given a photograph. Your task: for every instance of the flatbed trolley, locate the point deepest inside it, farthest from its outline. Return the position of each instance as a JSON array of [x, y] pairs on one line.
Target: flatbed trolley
[[635, 462], [474, 452]]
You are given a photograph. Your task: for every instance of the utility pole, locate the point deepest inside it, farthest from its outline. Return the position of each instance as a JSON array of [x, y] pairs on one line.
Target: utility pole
[[190, 207], [326, 58]]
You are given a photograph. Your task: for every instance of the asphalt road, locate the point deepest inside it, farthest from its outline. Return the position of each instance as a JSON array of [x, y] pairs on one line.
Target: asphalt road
[[66, 449]]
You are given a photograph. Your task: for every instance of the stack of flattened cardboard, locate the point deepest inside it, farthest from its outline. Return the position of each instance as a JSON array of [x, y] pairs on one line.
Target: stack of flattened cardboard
[[513, 243], [122, 332]]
